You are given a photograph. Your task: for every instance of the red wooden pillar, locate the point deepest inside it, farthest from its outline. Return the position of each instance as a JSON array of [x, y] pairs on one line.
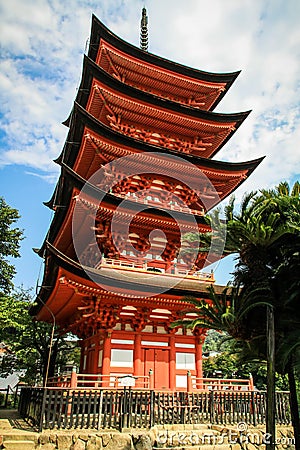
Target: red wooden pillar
[[137, 361], [172, 364], [106, 359], [251, 383], [199, 371], [73, 381]]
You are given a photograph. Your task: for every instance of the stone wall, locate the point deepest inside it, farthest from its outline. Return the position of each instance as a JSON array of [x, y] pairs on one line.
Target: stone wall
[[197, 437]]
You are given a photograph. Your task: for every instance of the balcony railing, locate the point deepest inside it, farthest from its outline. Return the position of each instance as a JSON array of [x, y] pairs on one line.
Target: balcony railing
[[145, 267], [158, 203], [222, 384], [98, 381]]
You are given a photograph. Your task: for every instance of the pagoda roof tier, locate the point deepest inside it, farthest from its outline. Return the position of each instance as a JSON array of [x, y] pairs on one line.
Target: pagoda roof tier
[[104, 230], [95, 206], [151, 119], [68, 287], [160, 179], [90, 144], [155, 74], [101, 207]]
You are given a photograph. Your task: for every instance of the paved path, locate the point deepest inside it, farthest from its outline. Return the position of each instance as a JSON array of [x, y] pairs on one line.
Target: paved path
[[11, 420]]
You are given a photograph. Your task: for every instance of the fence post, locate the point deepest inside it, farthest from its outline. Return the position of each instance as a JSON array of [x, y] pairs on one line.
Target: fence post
[[189, 386], [211, 407], [6, 397], [42, 410], [253, 408], [123, 410], [152, 406], [182, 407], [73, 381], [151, 380], [16, 396]]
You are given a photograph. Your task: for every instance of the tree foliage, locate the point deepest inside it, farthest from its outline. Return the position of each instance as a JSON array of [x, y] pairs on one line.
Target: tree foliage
[[28, 341], [265, 233], [9, 244]]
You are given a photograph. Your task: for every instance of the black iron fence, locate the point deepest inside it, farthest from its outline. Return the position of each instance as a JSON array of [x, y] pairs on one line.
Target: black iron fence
[[118, 409]]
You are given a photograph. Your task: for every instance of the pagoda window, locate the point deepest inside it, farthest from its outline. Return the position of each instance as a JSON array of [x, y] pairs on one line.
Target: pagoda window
[[155, 343], [122, 341], [121, 358], [184, 345], [185, 361], [181, 381]]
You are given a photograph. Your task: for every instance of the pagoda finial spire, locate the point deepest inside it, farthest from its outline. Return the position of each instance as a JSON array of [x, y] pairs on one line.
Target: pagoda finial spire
[[144, 31]]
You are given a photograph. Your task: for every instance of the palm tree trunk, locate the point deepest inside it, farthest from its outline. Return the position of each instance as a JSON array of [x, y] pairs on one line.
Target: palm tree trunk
[[294, 403], [270, 425]]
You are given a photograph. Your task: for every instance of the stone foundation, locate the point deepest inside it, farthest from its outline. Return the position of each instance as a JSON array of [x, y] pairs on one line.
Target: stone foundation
[[190, 437]]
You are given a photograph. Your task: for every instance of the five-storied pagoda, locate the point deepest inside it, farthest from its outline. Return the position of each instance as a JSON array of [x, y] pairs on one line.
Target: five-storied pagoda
[[137, 174]]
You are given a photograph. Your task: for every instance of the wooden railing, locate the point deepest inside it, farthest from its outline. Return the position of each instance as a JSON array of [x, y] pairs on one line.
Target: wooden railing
[[165, 205], [113, 408], [96, 381], [144, 267], [221, 384]]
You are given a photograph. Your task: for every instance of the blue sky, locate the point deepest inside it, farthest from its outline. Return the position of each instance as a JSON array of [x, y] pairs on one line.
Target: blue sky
[[42, 47]]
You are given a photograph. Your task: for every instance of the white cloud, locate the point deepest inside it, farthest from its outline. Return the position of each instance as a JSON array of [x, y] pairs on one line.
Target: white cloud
[[43, 43]]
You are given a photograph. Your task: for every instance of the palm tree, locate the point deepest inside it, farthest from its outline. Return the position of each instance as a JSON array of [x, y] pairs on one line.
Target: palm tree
[[259, 233], [227, 312]]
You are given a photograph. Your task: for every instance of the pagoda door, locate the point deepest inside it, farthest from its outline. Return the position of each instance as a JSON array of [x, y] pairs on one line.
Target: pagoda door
[[157, 359]]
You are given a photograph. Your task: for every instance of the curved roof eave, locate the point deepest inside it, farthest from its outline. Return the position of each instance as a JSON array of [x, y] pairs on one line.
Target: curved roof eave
[[100, 31], [91, 70], [70, 152], [69, 180]]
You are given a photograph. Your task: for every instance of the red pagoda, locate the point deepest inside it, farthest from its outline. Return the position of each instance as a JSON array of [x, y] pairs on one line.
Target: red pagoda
[[137, 174]]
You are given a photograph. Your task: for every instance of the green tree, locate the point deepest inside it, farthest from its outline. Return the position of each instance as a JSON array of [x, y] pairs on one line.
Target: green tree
[[263, 234], [28, 340], [9, 244], [234, 360]]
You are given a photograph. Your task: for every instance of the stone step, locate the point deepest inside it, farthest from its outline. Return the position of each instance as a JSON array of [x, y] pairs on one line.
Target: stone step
[[20, 435], [19, 445], [5, 424]]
